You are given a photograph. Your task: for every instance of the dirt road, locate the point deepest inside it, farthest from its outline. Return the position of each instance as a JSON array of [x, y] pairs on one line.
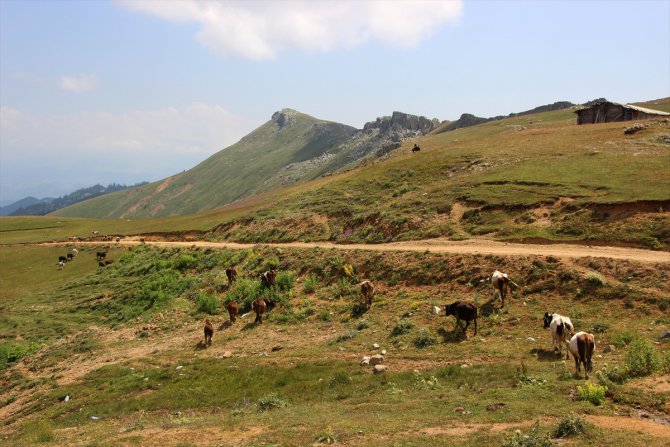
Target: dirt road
[[471, 246]]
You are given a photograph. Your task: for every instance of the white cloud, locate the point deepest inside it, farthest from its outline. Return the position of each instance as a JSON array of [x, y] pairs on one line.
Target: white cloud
[[260, 30], [79, 84]]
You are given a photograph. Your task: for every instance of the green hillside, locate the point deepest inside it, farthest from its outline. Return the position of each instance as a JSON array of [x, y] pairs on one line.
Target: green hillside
[[242, 169], [536, 176]]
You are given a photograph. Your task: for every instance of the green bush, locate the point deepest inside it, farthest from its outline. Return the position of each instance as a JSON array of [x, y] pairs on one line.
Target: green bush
[[343, 288], [285, 280], [594, 280], [592, 393], [185, 262], [310, 284], [206, 303], [424, 339], [642, 359], [570, 425], [623, 338], [402, 327], [10, 353], [532, 438], [270, 402]]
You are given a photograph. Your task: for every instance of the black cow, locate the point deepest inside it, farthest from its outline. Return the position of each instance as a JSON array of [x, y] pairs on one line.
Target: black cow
[[462, 311]]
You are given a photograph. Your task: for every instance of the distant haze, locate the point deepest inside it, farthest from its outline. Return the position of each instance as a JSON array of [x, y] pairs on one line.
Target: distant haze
[[129, 91]]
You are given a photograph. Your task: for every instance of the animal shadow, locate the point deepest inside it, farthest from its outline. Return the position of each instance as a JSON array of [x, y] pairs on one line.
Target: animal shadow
[[488, 308], [225, 325], [358, 309], [545, 355], [455, 336], [201, 345], [249, 326]]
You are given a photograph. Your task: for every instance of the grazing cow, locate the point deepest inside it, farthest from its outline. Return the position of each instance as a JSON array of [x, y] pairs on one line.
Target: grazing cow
[[232, 311], [209, 331], [561, 329], [368, 291], [462, 311], [95, 233], [231, 273], [70, 257], [268, 278], [260, 305], [101, 264], [62, 259], [61, 264], [118, 239], [75, 252], [109, 261], [582, 346], [100, 255], [416, 148]]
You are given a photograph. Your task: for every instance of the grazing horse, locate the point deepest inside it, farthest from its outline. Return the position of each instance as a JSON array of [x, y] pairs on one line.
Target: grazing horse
[[368, 291], [582, 346], [209, 331], [268, 278], [462, 311], [260, 305], [232, 311], [231, 274]]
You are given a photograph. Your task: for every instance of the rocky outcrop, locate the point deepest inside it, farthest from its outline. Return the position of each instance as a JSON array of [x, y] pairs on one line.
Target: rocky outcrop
[[401, 123], [284, 118]]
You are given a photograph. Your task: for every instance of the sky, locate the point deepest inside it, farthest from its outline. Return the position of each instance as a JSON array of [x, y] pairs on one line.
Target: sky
[[128, 91]]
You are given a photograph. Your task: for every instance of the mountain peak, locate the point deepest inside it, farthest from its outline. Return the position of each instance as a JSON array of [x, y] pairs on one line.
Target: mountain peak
[[285, 117]]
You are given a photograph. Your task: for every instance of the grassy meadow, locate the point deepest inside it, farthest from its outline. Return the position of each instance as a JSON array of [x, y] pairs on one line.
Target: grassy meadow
[[123, 343]]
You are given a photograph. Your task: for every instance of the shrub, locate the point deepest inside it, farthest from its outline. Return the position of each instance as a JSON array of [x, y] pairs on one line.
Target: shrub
[[403, 327], [592, 393], [531, 439], [363, 324], [344, 288], [348, 336], [310, 284], [270, 402], [185, 262], [206, 303], [325, 316], [594, 280], [641, 358], [424, 339], [285, 280], [13, 353], [340, 379], [623, 338], [571, 425]]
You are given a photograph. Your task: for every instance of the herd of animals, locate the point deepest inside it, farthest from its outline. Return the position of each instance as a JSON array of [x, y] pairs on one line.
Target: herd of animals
[[581, 344]]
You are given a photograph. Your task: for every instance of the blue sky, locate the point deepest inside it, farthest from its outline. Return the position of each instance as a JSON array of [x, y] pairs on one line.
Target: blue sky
[[123, 91]]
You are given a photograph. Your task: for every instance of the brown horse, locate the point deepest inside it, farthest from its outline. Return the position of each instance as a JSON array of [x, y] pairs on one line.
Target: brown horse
[[209, 331], [231, 273], [232, 311], [260, 305], [368, 291]]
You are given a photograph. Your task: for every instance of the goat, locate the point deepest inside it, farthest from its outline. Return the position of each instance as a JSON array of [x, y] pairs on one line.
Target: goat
[[582, 346], [209, 331], [368, 291], [561, 330], [462, 311]]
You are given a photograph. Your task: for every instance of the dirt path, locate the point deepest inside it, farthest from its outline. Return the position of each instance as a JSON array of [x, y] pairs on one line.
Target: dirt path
[[471, 246]]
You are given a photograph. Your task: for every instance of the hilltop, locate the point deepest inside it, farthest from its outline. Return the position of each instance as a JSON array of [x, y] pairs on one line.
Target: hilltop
[[290, 148]]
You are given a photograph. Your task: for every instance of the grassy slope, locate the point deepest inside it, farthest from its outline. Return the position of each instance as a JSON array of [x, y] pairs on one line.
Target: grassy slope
[[143, 373], [239, 170], [518, 164]]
